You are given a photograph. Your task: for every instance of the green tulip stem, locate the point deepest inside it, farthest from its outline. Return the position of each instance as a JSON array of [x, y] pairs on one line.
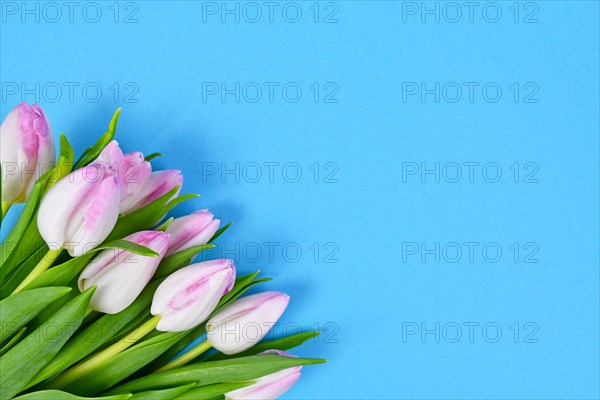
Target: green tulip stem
[[45, 263], [187, 357], [96, 361], [5, 207]]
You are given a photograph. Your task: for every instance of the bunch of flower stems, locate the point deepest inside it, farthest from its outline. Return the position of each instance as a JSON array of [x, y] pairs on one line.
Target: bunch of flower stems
[[99, 292]]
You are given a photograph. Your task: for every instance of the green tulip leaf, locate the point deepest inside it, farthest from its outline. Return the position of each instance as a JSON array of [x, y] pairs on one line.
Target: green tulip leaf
[[12, 250], [20, 308], [104, 330], [62, 274], [173, 262], [123, 365], [31, 243], [220, 232], [58, 395], [91, 153], [127, 328], [124, 245], [210, 372], [23, 361], [15, 339], [65, 161], [153, 156], [18, 275], [165, 225], [239, 290], [147, 216], [164, 394], [52, 309], [211, 391]]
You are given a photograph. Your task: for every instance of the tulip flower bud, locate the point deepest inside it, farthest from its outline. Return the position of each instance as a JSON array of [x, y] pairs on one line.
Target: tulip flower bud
[[159, 183], [245, 322], [119, 275], [80, 210], [189, 295], [27, 151], [192, 230], [270, 386], [136, 173]]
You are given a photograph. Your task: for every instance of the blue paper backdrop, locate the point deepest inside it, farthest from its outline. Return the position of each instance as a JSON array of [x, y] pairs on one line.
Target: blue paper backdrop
[[421, 178]]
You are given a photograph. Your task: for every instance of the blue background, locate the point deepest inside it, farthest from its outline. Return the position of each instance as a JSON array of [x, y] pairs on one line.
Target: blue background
[[365, 288]]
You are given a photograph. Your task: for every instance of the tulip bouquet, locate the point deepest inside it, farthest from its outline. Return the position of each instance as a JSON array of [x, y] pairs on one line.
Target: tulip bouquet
[[99, 295]]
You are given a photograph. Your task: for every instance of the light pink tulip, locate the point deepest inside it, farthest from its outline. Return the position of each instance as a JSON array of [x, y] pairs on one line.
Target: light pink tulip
[[189, 295], [192, 230], [26, 151], [80, 210], [159, 183], [119, 275], [246, 321], [270, 386], [136, 173]]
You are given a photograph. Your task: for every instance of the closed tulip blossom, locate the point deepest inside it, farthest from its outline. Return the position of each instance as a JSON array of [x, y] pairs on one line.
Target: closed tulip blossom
[[136, 172], [81, 209], [192, 230], [27, 151], [119, 275], [189, 295], [245, 322], [270, 386], [158, 184]]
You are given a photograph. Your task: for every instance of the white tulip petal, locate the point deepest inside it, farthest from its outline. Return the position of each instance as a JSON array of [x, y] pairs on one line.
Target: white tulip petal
[[189, 295], [119, 275], [199, 310], [245, 322], [57, 207], [91, 226]]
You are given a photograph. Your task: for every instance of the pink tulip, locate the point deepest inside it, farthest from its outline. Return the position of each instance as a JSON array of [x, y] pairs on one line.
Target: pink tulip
[[189, 295], [246, 321], [136, 172], [27, 151], [192, 230], [119, 275], [158, 184], [80, 210], [270, 386]]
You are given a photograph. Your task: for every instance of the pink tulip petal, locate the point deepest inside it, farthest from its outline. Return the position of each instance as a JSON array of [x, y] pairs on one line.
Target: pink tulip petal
[[161, 183], [192, 230], [158, 184], [26, 151], [137, 171], [268, 387]]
